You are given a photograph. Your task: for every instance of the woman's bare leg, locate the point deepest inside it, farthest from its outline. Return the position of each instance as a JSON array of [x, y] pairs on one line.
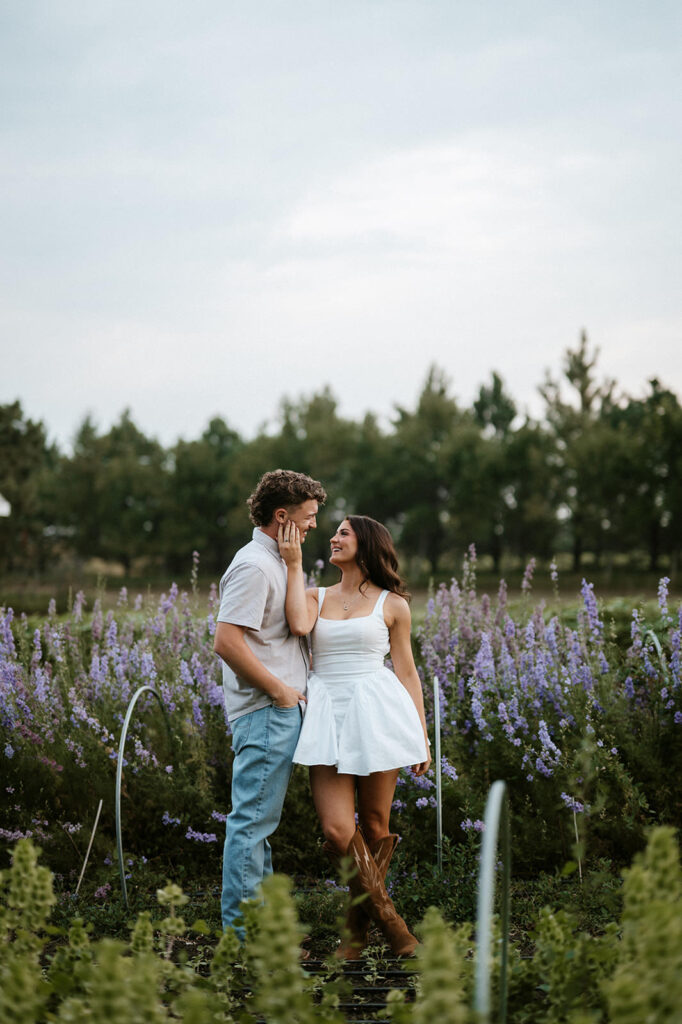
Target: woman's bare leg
[[375, 796], [334, 799]]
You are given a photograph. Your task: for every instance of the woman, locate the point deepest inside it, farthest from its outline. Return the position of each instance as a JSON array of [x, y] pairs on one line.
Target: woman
[[363, 722]]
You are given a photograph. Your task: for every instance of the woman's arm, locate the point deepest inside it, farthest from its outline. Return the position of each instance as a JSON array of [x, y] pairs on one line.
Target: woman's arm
[[399, 621], [301, 604]]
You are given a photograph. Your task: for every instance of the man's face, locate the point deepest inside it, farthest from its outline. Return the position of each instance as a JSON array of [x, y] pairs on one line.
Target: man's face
[[304, 515]]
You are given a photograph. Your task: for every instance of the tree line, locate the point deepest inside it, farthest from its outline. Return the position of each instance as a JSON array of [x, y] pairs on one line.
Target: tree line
[[600, 473]]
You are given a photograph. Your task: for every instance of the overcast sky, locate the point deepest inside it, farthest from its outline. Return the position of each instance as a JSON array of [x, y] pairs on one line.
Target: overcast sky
[[207, 206]]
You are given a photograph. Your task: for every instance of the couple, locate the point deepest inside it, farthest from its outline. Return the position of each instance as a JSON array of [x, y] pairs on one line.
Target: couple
[[362, 722]]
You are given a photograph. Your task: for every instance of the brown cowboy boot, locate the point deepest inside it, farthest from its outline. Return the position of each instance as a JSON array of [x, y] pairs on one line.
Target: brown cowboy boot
[[357, 924], [378, 904], [382, 851]]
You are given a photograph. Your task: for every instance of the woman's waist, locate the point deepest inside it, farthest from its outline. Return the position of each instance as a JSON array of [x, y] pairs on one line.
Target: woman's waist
[[333, 671]]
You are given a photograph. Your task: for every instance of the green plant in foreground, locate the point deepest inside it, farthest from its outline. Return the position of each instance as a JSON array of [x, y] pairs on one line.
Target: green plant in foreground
[[570, 966], [647, 983], [26, 899], [573, 977], [441, 969], [25, 910], [283, 993]]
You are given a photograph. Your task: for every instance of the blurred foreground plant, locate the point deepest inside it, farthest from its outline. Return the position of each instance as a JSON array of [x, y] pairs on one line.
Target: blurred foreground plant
[[572, 977]]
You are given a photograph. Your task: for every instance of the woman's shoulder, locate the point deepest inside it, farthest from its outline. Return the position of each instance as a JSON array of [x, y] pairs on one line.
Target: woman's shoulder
[[397, 609]]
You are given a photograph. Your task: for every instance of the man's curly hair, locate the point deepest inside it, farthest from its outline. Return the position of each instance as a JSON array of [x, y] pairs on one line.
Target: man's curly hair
[[281, 488]]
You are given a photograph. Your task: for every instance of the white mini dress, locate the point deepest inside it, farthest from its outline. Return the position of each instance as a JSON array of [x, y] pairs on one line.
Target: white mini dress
[[359, 716]]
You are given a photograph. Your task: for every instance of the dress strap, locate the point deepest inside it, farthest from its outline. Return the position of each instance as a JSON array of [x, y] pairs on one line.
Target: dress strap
[[321, 591], [378, 607]]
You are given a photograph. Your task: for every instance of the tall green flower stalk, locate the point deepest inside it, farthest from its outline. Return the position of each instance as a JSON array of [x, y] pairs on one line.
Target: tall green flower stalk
[[283, 993], [440, 965]]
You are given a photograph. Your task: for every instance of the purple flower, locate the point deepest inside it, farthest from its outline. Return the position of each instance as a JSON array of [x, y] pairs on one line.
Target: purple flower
[[484, 665], [590, 604], [663, 598], [201, 837], [78, 604], [526, 582], [168, 600], [573, 804]]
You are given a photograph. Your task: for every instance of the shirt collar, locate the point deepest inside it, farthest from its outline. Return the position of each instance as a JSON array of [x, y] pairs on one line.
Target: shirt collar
[[269, 543]]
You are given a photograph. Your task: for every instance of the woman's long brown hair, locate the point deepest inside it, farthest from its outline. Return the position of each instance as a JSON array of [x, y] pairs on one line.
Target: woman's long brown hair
[[376, 555]]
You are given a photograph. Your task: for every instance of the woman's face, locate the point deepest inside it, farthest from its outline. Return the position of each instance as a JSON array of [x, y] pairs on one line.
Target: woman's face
[[344, 545]]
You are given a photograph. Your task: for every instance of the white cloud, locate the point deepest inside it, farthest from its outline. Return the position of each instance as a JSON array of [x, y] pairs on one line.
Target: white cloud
[[460, 197]]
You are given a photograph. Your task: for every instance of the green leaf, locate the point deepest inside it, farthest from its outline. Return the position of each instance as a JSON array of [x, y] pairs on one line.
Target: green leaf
[[201, 926]]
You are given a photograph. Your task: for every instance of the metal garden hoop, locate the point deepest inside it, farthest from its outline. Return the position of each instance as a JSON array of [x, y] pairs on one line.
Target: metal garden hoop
[[119, 774], [496, 821]]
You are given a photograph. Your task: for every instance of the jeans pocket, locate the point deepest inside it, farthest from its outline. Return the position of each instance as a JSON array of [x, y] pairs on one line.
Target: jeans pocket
[[284, 711], [240, 732]]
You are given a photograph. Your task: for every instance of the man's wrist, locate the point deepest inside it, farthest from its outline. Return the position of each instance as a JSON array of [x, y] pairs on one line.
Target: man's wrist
[[276, 692]]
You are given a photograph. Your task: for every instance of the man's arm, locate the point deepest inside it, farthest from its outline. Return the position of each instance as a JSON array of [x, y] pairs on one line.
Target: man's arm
[[230, 644]]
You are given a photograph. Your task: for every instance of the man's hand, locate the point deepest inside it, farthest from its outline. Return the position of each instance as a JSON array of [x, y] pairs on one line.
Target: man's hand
[[233, 649], [289, 540], [287, 697]]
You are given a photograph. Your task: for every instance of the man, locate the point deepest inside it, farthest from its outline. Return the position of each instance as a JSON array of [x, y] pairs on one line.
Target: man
[[264, 680]]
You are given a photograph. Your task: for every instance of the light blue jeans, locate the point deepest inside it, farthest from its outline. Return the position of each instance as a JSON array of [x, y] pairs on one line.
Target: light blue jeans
[[263, 743]]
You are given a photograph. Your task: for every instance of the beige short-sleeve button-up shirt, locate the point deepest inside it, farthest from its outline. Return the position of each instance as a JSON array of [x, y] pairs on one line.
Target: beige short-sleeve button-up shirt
[[252, 594]]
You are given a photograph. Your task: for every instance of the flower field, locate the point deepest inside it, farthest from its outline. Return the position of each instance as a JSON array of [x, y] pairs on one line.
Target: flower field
[[580, 713]]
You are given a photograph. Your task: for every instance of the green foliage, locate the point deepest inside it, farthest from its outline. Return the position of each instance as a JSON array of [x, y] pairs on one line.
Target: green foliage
[[283, 993], [598, 474], [630, 972], [570, 965], [71, 962], [441, 967], [142, 938], [418, 884], [647, 983], [112, 493], [225, 981], [29, 469], [27, 895]]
